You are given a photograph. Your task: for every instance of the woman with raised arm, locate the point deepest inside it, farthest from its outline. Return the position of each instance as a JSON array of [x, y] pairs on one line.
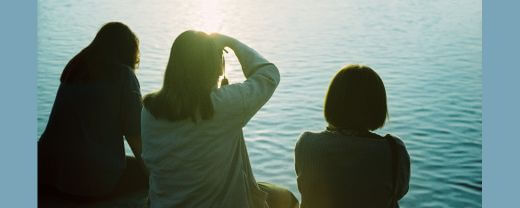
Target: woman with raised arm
[[193, 143], [98, 104], [348, 165]]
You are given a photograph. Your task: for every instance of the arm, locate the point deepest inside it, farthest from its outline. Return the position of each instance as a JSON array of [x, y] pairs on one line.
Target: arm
[[262, 76], [135, 144], [249, 59], [299, 156], [131, 106], [404, 176]]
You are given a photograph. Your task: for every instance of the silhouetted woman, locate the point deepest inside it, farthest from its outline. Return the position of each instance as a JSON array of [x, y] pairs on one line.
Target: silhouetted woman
[[193, 143], [348, 165], [98, 104]]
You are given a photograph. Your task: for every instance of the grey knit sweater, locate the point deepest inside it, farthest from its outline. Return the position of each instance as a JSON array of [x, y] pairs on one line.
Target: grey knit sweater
[[205, 163]]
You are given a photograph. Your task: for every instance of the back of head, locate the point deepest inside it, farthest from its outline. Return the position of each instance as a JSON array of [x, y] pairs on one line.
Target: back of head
[[356, 99], [193, 70], [114, 44]]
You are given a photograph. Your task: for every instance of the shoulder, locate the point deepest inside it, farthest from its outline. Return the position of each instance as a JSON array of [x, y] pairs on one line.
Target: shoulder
[[308, 146], [128, 75], [125, 71], [308, 137], [401, 147], [121, 67], [398, 141]]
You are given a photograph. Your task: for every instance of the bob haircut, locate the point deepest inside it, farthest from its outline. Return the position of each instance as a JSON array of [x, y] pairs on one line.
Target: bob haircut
[[114, 44], [356, 100], [193, 70]]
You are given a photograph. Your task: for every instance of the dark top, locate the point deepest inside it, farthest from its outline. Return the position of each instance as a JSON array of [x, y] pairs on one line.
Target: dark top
[[81, 151], [338, 170]]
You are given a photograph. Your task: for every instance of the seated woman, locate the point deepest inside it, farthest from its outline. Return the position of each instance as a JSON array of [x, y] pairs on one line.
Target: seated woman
[[81, 152], [348, 165], [193, 144]]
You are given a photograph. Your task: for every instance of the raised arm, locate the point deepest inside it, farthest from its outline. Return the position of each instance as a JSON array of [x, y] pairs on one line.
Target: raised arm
[[262, 76], [249, 59]]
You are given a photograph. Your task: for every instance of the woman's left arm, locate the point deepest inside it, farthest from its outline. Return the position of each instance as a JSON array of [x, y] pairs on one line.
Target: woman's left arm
[[135, 144], [404, 176], [131, 105]]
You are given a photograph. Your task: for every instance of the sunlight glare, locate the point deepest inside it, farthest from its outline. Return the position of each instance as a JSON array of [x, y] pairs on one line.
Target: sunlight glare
[[211, 16]]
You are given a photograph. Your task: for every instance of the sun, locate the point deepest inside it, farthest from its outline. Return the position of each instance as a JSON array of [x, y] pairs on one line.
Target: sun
[[211, 16]]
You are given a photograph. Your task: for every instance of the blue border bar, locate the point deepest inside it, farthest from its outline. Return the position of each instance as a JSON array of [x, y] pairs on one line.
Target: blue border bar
[[501, 103], [18, 103]]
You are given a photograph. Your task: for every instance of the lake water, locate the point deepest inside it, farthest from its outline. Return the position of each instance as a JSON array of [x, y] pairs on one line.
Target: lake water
[[429, 54]]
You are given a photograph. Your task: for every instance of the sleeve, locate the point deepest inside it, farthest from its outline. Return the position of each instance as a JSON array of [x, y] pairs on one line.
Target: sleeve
[[131, 105], [262, 79], [298, 163], [404, 176], [298, 156]]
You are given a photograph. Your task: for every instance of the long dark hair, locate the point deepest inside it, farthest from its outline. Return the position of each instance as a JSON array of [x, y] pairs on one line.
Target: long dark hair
[[193, 70], [115, 43]]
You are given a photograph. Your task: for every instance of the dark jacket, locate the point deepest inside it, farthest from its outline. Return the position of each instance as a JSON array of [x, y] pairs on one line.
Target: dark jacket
[[337, 170]]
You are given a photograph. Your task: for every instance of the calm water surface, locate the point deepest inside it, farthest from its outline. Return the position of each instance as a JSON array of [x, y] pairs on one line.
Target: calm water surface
[[429, 54]]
